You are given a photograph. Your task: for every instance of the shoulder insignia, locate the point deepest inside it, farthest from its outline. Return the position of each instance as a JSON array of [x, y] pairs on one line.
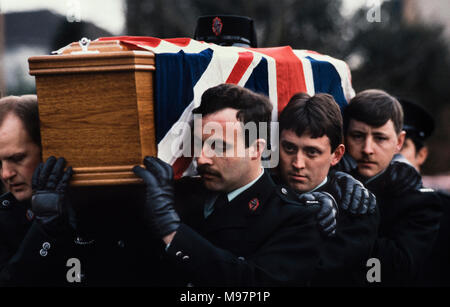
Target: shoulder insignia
[[253, 204]]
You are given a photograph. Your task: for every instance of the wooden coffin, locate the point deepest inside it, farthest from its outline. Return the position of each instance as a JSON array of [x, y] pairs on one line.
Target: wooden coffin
[[96, 110]]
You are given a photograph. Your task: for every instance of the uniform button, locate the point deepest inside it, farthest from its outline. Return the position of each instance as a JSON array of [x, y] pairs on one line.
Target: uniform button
[[284, 191], [185, 258], [241, 258], [43, 252], [46, 246], [179, 254], [121, 243], [5, 203]]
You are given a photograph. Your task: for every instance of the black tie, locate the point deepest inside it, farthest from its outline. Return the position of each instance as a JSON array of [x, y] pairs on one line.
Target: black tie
[[221, 201]]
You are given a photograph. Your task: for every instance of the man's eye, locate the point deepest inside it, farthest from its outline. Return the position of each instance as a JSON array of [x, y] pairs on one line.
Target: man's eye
[[380, 138], [220, 146], [17, 159], [289, 148], [312, 152]]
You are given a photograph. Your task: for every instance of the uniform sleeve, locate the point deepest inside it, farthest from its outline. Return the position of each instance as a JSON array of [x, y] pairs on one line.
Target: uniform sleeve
[[287, 257], [36, 262], [404, 246], [344, 257]]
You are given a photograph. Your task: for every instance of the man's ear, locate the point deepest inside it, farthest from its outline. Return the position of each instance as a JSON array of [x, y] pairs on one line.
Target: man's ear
[[337, 154], [421, 156], [400, 140], [257, 148]]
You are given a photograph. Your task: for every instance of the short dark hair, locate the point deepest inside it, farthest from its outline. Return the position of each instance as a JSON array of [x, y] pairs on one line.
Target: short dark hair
[[418, 142], [318, 115], [252, 107], [26, 109], [375, 108]]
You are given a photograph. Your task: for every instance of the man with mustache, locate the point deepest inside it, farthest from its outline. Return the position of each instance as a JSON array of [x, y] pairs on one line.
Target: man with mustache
[[311, 141], [33, 229], [233, 226], [409, 222]]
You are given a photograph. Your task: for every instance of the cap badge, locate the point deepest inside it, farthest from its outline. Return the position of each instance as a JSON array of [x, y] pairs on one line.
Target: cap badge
[[217, 26]]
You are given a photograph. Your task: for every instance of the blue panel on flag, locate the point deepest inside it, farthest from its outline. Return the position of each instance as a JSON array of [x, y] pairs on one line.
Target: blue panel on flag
[[327, 80], [175, 79], [258, 81]]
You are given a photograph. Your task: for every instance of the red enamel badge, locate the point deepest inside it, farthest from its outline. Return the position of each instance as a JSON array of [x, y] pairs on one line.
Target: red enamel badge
[[253, 204], [217, 26]]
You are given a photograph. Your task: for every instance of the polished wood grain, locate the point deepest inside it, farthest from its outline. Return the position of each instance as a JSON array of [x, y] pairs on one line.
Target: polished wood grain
[[96, 110]]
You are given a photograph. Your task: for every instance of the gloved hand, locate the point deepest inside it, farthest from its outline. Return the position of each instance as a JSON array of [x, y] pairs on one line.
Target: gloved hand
[[398, 179], [48, 203], [352, 195], [326, 216], [159, 210]]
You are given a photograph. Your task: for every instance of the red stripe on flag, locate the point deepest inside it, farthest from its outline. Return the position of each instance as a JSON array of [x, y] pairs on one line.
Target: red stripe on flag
[[135, 40], [241, 66], [181, 41], [148, 41], [180, 166], [290, 75], [312, 51]]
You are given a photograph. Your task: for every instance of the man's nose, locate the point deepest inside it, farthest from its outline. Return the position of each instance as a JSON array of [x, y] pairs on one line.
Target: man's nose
[[7, 171], [299, 161], [204, 157], [368, 146]]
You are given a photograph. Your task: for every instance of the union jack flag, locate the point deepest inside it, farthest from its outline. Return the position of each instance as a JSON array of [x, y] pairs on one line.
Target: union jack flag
[[186, 68]]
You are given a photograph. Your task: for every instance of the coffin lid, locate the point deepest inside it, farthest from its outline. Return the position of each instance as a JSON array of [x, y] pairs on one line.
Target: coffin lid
[[95, 56]]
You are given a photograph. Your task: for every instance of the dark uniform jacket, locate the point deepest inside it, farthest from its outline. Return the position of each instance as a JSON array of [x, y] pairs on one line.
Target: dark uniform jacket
[[436, 271], [261, 238], [114, 247], [408, 227], [118, 249], [28, 255], [344, 258]]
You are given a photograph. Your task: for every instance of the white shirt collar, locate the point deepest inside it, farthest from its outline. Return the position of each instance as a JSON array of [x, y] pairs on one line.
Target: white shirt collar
[[233, 194], [320, 185]]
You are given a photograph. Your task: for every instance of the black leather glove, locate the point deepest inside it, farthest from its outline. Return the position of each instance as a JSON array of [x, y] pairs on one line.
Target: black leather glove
[[326, 216], [159, 210], [49, 184], [351, 194], [398, 179]]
